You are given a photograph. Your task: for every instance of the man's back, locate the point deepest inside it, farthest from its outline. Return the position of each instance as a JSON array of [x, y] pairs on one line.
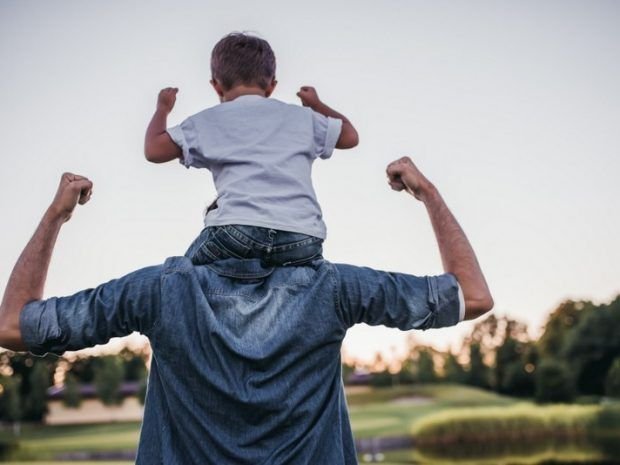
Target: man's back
[[246, 359], [249, 363]]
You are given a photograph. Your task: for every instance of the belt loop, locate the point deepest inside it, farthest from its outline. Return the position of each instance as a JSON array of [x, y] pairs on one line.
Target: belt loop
[[272, 234]]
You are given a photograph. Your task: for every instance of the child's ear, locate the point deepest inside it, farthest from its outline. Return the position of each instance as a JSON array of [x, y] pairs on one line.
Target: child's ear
[[217, 87], [271, 87]]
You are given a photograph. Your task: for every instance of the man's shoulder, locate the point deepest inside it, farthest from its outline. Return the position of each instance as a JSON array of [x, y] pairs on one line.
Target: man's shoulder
[[177, 265]]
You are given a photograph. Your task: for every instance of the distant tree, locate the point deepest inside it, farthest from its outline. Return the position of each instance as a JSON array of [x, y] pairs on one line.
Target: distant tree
[[478, 374], [35, 405], [142, 391], [382, 379], [84, 369], [406, 373], [454, 371], [519, 376], [509, 357], [592, 347], [72, 397], [486, 335], [554, 382], [612, 382], [10, 399], [134, 365], [561, 322], [108, 378], [347, 371], [426, 366]]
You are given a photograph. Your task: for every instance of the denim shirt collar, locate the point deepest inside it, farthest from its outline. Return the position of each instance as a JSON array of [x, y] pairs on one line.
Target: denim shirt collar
[[247, 269]]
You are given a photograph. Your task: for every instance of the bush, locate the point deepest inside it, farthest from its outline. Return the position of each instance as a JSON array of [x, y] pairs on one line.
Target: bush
[[522, 422]]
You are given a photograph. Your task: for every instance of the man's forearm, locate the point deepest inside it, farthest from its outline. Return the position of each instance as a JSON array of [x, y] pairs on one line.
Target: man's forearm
[[27, 280], [457, 255]]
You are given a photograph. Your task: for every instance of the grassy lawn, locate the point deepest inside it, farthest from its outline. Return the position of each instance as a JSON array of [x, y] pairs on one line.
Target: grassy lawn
[[72, 463], [392, 411], [376, 412]]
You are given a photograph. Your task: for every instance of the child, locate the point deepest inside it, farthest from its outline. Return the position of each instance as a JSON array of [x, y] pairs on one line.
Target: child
[[260, 153]]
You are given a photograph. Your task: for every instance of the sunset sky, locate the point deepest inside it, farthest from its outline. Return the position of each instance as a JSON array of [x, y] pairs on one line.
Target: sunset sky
[[511, 108]]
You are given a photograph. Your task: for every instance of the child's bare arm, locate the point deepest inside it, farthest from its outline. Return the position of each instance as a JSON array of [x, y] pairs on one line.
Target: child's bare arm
[[348, 135], [158, 145]]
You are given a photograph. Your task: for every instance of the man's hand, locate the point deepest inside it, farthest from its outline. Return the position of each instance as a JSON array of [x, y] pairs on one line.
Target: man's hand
[[308, 97], [404, 175], [166, 99], [73, 189]]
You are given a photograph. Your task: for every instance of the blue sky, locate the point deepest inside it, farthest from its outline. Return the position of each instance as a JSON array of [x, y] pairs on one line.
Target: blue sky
[[511, 108]]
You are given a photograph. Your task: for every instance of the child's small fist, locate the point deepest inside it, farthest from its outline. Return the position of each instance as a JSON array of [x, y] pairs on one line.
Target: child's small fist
[[308, 96], [167, 98]]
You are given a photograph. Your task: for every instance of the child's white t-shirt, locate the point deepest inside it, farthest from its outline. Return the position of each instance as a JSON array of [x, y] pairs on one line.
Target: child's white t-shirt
[[260, 153]]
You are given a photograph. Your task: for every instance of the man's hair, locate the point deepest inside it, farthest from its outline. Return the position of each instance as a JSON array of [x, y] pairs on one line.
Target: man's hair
[[240, 58]]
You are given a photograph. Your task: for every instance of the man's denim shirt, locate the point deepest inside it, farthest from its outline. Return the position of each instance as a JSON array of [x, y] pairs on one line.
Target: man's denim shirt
[[246, 359]]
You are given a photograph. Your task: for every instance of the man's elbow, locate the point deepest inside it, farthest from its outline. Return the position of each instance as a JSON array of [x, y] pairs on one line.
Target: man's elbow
[[11, 336], [476, 307]]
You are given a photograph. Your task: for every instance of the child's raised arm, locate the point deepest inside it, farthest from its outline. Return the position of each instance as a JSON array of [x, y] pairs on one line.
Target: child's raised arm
[[158, 145], [348, 135]]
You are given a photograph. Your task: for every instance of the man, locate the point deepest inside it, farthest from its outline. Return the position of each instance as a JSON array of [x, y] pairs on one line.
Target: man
[[246, 359]]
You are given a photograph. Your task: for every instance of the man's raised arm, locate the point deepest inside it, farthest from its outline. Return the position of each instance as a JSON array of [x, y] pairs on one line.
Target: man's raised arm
[[457, 255], [27, 280]]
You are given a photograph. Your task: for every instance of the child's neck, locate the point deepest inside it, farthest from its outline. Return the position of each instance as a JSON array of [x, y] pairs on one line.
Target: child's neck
[[240, 90]]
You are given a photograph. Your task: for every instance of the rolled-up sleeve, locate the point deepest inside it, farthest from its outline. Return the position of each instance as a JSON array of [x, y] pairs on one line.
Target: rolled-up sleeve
[[93, 316], [326, 133], [187, 137], [397, 300]]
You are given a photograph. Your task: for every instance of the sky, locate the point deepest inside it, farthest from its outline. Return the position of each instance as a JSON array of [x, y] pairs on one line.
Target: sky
[[511, 108]]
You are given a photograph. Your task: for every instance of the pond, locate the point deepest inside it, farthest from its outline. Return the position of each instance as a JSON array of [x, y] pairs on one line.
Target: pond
[[602, 450]]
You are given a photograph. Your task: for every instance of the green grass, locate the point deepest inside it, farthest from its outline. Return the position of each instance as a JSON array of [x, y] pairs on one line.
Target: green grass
[[377, 412], [386, 412], [98, 462], [46, 442]]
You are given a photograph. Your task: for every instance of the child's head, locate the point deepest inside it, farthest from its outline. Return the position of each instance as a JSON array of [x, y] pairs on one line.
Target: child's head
[[242, 59]]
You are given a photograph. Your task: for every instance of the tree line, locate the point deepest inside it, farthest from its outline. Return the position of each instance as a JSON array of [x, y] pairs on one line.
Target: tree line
[[577, 355], [25, 380]]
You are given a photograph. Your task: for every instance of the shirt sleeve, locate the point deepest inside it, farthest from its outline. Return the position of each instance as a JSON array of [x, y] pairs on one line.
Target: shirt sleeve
[[187, 137], [397, 300], [93, 316], [326, 133]]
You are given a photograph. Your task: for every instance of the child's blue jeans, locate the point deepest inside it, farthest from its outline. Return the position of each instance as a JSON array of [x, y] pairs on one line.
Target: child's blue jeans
[[273, 247]]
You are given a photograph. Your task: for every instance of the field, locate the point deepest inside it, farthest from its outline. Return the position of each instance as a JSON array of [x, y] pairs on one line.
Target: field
[[374, 413]]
